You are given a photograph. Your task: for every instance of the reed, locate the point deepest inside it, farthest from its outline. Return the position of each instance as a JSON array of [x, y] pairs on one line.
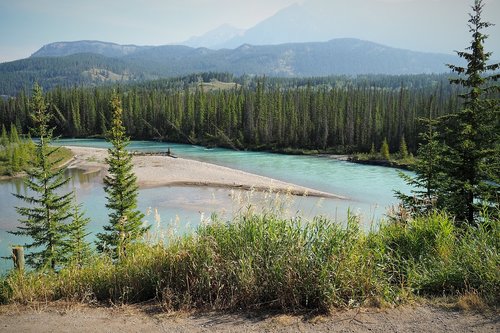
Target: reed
[[263, 260]]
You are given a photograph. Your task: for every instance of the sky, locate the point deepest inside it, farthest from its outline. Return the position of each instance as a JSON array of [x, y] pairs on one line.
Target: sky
[[27, 25]]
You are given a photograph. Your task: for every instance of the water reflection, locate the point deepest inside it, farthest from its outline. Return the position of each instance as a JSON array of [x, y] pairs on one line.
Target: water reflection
[[82, 183]]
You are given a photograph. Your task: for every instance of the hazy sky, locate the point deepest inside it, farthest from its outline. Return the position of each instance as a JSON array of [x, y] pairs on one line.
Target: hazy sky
[[26, 25]]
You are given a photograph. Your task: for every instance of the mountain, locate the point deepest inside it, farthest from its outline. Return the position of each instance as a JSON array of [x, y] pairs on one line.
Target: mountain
[[216, 38], [295, 23], [335, 57], [60, 49], [432, 26]]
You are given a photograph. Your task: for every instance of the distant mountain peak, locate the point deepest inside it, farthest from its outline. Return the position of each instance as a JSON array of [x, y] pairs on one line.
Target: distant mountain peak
[[213, 39]]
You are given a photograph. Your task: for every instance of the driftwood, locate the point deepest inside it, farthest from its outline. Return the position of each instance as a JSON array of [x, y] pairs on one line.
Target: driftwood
[[157, 153]]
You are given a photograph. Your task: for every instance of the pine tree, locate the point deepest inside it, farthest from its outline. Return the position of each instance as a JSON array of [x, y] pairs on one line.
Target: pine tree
[[403, 148], [384, 150], [4, 139], [125, 225], [373, 152], [427, 169], [471, 155], [77, 248], [43, 220], [14, 136]]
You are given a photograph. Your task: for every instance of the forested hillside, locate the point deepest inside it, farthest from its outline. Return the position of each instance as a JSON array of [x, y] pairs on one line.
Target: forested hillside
[[329, 113], [94, 63]]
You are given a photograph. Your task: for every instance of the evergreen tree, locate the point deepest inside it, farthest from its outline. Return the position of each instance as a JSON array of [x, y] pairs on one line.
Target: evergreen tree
[[125, 225], [471, 155], [403, 148], [77, 248], [14, 136], [4, 139], [373, 152], [428, 170], [43, 220], [384, 150]]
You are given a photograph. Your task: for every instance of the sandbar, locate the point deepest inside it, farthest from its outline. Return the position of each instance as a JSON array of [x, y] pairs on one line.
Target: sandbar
[[156, 171]]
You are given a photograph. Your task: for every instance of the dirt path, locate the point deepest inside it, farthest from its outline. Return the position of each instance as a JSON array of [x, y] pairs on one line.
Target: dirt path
[[149, 318]]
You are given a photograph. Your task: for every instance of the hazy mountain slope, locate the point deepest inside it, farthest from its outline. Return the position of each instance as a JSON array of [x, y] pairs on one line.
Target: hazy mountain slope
[[338, 56], [290, 25], [77, 69], [383, 21], [59, 49], [216, 38]]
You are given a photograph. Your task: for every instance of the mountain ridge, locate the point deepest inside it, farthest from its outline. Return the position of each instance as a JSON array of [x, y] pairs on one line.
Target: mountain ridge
[[95, 62], [64, 48]]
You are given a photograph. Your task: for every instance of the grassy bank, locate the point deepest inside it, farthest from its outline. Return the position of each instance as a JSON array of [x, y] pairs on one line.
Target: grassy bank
[[266, 261], [16, 158], [394, 161]]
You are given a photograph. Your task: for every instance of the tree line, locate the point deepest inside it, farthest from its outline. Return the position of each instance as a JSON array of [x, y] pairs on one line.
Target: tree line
[[341, 114]]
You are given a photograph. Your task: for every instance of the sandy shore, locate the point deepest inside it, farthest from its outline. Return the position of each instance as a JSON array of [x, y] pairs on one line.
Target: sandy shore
[[155, 171]]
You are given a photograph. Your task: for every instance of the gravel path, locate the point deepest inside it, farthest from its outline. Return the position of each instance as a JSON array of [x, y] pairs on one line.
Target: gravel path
[[150, 318]]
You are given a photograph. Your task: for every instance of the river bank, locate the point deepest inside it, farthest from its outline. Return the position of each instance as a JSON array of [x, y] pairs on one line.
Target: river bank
[[156, 171]]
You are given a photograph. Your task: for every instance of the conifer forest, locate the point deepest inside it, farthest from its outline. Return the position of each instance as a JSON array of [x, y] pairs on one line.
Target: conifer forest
[[337, 114]]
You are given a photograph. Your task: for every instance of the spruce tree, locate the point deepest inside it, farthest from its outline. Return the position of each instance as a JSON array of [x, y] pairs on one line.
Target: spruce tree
[[471, 155], [428, 171], [120, 185], [14, 136], [44, 217], [403, 148], [384, 150], [373, 152], [4, 139], [77, 248]]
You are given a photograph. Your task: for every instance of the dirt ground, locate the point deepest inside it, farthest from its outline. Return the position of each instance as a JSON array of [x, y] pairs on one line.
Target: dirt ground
[[147, 318]]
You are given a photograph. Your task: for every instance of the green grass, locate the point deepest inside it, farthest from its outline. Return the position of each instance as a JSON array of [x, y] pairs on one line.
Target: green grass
[[265, 261], [25, 158], [395, 160]]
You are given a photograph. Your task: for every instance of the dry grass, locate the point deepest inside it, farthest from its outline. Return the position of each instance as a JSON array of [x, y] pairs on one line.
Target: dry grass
[[262, 261]]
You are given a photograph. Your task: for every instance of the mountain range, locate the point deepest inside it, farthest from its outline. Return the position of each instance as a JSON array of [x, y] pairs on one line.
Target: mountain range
[[96, 62]]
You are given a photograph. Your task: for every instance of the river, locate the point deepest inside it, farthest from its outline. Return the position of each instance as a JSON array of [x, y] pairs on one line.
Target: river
[[369, 189]]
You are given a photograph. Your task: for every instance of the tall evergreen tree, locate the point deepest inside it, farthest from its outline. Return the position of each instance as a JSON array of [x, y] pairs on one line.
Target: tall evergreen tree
[[44, 217], [471, 155], [125, 225]]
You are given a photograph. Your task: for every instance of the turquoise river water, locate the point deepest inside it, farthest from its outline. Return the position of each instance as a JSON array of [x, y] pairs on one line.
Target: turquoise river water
[[369, 189]]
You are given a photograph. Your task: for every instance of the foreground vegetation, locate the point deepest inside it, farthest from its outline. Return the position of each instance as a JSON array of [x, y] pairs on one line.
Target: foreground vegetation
[[265, 261]]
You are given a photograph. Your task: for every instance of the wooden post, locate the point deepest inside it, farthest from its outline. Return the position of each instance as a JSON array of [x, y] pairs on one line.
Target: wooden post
[[18, 257]]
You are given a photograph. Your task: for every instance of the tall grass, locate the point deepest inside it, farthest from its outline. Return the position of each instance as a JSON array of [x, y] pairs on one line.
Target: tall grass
[[267, 261]]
